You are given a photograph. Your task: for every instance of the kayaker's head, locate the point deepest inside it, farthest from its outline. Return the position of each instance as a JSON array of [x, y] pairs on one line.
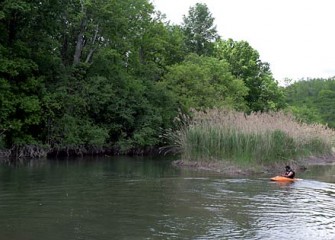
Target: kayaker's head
[[288, 168]]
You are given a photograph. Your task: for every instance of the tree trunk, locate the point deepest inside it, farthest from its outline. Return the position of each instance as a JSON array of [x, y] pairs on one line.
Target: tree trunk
[[93, 48], [80, 37], [80, 43]]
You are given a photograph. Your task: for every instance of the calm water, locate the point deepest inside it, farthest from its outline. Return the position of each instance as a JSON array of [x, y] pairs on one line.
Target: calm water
[[123, 198]]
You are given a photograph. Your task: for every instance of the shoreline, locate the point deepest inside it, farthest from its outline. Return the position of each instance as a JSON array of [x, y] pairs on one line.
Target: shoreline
[[230, 169]]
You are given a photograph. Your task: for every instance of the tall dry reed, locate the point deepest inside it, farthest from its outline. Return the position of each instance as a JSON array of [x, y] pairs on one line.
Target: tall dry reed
[[259, 137]]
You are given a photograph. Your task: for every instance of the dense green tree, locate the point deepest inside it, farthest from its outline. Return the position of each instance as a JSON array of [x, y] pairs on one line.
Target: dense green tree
[[89, 26], [326, 99], [205, 82], [22, 85], [112, 89], [77, 76], [312, 100], [199, 29], [264, 93], [136, 110], [304, 113], [159, 46]]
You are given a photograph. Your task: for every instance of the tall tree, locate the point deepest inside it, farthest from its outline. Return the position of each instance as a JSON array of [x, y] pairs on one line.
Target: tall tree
[[88, 26], [132, 49], [199, 29], [157, 46], [264, 93]]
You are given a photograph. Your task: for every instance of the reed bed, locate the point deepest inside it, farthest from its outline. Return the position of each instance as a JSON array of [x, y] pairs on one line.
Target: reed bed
[[219, 134]]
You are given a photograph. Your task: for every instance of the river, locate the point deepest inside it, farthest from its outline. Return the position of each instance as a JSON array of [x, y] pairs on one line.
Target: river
[[145, 198]]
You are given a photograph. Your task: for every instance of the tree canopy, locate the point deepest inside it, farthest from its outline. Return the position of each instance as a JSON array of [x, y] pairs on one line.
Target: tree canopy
[[205, 82], [264, 93], [199, 29], [84, 76], [312, 100]]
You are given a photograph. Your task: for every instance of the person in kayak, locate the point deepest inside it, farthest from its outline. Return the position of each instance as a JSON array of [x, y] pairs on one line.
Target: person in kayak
[[289, 173]]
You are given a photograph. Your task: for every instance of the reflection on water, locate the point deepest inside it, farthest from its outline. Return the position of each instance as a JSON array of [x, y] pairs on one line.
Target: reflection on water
[[148, 199]]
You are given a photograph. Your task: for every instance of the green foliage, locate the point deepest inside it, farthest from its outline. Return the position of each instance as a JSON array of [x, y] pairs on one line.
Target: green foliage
[[70, 131], [137, 114], [313, 100], [6, 104], [200, 33], [20, 101], [159, 47], [326, 99], [205, 82], [306, 114], [264, 93]]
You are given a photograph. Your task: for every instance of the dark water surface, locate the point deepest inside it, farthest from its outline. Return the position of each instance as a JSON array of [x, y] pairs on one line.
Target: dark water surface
[[142, 198]]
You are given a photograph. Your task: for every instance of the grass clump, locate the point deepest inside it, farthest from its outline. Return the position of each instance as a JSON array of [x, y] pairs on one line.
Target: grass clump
[[218, 134]]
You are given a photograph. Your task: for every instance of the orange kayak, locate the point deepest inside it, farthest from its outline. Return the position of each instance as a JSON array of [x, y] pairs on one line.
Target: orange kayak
[[284, 179]]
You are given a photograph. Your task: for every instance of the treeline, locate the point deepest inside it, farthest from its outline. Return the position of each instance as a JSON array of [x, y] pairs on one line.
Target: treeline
[[313, 100], [84, 76]]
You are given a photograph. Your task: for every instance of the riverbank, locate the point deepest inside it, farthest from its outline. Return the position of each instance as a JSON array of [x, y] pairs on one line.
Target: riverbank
[[230, 169]]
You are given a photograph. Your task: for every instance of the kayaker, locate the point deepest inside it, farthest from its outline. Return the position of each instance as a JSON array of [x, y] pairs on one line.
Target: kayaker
[[289, 173]]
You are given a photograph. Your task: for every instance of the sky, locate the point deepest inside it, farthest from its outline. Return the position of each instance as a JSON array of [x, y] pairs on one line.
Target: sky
[[296, 37]]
